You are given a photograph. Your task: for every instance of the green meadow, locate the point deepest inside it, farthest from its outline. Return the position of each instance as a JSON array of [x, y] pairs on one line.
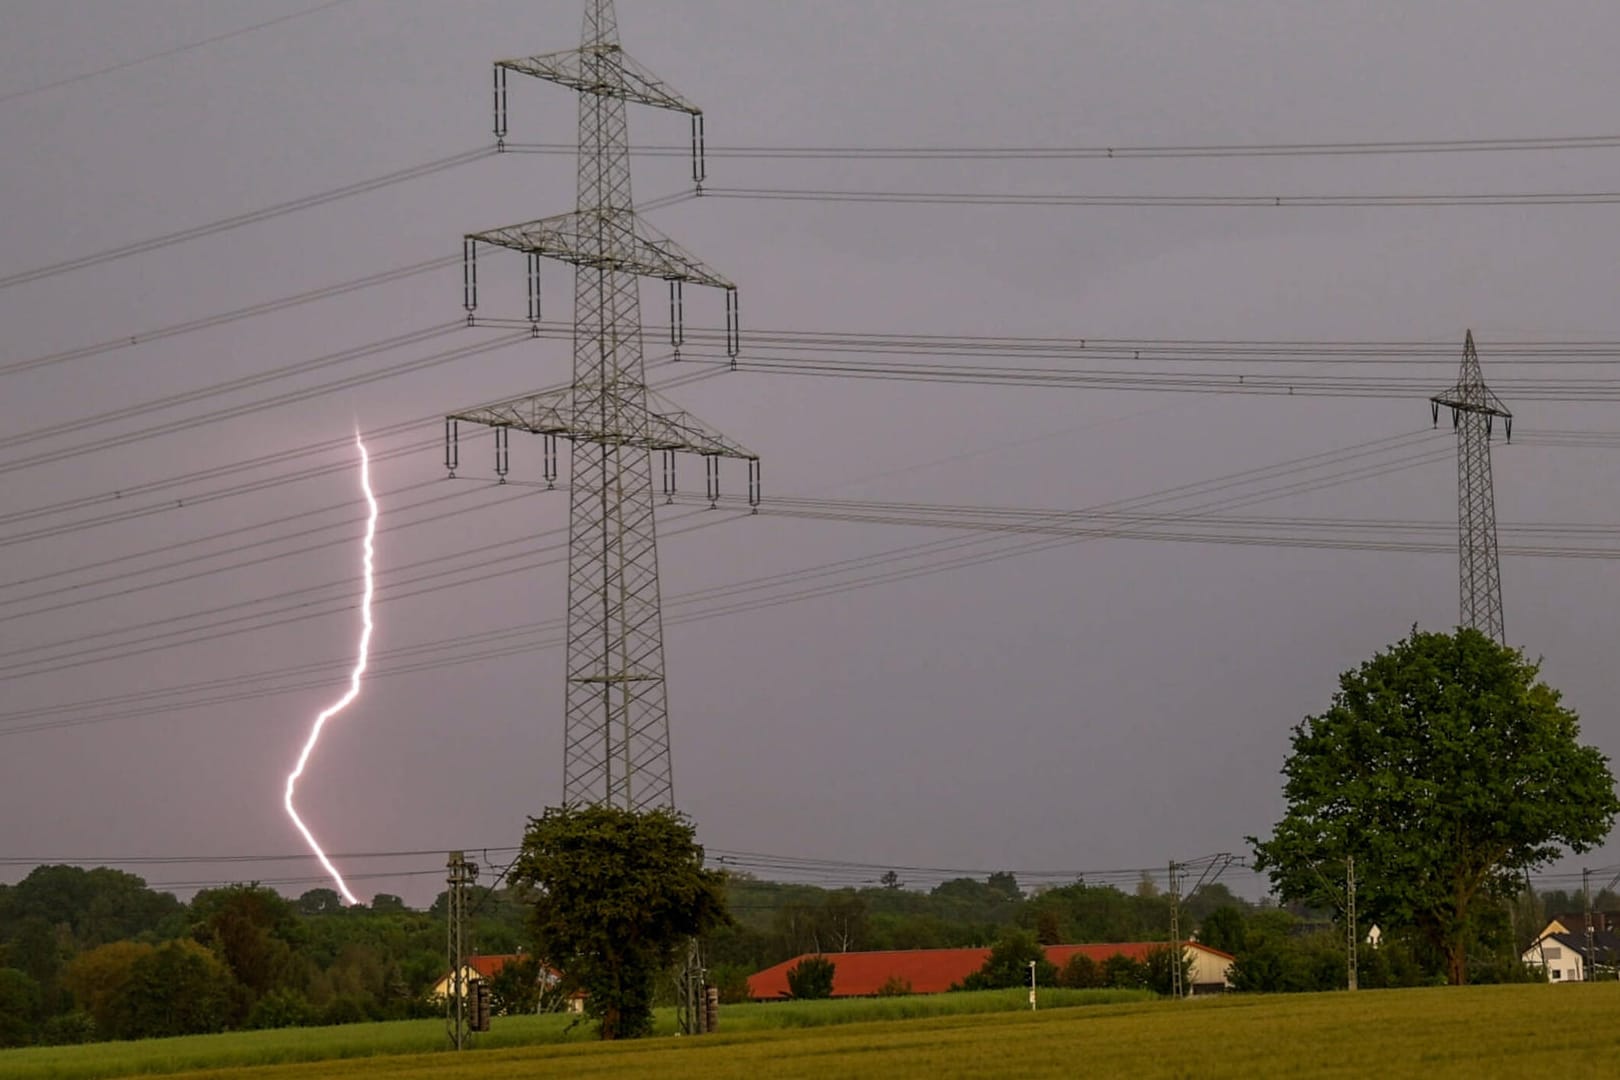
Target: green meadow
[[236, 1050]]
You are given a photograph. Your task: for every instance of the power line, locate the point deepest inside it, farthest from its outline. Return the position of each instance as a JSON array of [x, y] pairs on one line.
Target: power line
[[1284, 384], [252, 217], [694, 374], [1132, 522], [766, 152], [260, 405], [230, 386], [772, 583], [78, 588], [1208, 201], [175, 51], [266, 307], [225, 318]]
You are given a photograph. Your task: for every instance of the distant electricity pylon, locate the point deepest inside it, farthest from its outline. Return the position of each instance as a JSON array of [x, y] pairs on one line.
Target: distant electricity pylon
[[616, 720], [1473, 411]]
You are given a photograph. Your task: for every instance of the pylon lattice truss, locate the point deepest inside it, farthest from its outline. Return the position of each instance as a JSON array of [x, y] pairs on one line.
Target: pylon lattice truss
[[616, 721], [1474, 409]]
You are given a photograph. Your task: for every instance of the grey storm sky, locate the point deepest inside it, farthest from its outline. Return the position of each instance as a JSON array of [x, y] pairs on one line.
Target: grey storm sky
[[1097, 705]]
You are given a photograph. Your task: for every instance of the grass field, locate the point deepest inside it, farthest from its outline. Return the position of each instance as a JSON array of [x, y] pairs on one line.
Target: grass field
[[153, 1057], [1489, 1031]]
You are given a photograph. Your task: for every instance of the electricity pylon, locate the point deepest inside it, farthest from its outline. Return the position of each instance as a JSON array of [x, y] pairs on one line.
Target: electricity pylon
[[1474, 408], [616, 720]]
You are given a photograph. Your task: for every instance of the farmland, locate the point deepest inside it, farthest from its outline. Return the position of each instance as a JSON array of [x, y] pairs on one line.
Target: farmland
[[155, 1057], [1438, 1032]]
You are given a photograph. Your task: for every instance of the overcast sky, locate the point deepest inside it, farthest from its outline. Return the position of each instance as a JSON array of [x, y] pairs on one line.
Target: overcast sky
[[1106, 704]]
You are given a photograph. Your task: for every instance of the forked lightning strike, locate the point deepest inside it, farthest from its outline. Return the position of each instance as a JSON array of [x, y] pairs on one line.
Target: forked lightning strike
[[354, 679]]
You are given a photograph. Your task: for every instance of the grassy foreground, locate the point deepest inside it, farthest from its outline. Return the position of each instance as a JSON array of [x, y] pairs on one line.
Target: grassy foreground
[[1493, 1031], [237, 1050]]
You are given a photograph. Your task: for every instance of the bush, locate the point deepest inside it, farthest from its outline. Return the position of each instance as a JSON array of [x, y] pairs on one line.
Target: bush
[[732, 981], [68, 1029], [894, 986], [1120, 972], [282, 1009], [811, 978], [345, 1010], [1161, 964], [1081, 973], [1008, 964]]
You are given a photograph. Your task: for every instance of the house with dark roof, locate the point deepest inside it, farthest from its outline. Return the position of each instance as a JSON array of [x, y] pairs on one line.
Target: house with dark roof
[[1563, 954], [933, 971]]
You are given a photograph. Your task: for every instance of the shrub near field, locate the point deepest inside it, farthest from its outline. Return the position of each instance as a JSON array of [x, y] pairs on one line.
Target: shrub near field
[[1443, 1033], [152, 1057]]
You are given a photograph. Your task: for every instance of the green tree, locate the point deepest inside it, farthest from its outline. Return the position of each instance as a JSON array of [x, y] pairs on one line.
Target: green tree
[[842, 921], [99, 978], [1008, 964], [517, 987], [1447, 769], [180, 988], [1006, 884], [1159, 962], [811, 979], [616, 894], [320, 902], [1223, 929], [253, 929], [97, 906], [20, 1003]]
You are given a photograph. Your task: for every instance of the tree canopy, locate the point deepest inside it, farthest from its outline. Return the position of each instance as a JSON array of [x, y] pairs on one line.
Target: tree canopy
[[1447, 769], [615, 894]]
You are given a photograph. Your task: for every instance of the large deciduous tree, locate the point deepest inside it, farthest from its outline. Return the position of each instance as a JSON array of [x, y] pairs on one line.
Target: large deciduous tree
[[1447, 769], [616, 894]]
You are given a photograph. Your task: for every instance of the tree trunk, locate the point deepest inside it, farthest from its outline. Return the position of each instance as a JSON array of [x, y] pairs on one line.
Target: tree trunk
[[1456, 949]]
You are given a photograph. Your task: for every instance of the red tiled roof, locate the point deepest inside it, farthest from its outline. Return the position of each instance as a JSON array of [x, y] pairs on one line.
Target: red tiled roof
[[931, 971], [488, 967]]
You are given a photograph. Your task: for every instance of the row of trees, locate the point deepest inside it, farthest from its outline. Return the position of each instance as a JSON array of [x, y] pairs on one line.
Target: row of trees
[[96, 954]]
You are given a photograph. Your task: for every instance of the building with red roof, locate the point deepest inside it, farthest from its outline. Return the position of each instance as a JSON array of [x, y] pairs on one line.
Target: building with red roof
[[933, 971]]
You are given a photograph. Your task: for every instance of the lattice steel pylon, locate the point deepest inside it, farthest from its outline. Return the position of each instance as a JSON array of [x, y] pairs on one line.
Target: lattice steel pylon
[[616, 720], [1474, 409]]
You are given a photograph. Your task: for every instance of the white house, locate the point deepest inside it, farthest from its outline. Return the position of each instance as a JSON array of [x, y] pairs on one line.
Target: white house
[[1562, 954]]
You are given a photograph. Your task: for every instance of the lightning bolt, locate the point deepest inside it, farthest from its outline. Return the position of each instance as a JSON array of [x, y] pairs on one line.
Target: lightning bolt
[[354, 679]]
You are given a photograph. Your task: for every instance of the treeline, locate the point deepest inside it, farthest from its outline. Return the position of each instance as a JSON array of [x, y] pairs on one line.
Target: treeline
[[1278, 950], [95, 954]]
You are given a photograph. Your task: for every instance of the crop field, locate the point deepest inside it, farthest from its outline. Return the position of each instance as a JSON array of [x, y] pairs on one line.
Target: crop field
[[1490, 1031], [238, 1050]]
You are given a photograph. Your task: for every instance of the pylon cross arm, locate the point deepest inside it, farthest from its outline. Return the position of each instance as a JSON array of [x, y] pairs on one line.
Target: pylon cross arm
[[604, 70], [1490, 406], [613, 240], [564, 414]]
